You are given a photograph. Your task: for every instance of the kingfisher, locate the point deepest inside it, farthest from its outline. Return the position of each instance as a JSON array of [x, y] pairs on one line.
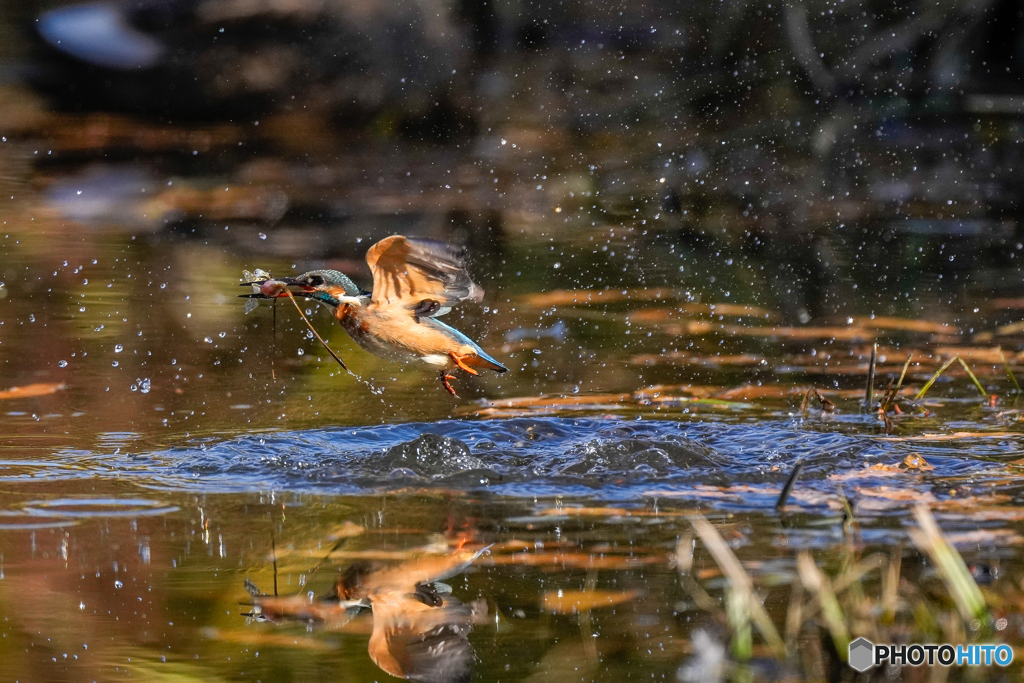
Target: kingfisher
[[415, 281]]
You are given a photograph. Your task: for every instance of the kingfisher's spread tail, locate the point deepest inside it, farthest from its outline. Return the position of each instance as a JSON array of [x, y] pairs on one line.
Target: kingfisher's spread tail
[[482, 360]]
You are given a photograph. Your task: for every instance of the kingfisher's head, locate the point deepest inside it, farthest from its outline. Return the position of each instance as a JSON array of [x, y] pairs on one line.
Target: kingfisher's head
[[327, 286]]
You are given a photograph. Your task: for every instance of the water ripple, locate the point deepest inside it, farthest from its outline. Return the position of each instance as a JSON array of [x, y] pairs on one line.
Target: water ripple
[[606, 458]]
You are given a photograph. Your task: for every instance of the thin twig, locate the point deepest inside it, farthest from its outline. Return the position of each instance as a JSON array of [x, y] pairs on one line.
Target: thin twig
[[317, 334], [871, 377], [273, 556]]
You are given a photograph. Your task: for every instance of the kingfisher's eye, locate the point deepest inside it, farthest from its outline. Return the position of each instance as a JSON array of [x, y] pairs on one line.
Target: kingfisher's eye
[[315, 280]]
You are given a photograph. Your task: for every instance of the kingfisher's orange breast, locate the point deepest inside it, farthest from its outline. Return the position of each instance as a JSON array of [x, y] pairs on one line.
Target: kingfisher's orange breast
[[394, 334]]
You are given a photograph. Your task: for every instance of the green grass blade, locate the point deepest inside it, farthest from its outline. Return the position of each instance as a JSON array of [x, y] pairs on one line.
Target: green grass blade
[[929, 539], [1009, 371], [818, 585], [929, 383], [906, 366], [740, 581], [973, 378]]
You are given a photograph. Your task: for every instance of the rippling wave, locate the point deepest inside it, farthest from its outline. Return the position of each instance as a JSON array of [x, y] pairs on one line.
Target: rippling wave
[[598, 458]]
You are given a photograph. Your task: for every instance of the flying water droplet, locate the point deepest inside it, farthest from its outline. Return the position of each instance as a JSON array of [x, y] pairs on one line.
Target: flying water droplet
[[144, 385], [118, 584], [62, 363], [208, 340], [118, 348], [263, 235]]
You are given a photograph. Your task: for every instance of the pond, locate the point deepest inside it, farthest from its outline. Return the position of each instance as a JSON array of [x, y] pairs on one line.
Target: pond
[[713, 320]]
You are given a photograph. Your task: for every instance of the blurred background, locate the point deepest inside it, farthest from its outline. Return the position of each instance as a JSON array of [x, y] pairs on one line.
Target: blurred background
[[819, 161], [687, 211]]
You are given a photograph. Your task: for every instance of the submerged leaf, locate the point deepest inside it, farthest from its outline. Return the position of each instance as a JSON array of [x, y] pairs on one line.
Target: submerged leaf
[[570, 602], [915, 461], [30, 390]]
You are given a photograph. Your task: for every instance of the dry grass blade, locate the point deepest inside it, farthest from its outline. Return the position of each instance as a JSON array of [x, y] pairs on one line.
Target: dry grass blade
[[903, 375], [1009, 371], [740, 581], [818, 584], [317, 334], [794, 614], [929, 383], [973, 378], [737, 610], [890, 586], [929, 539], [826, 405], [805, 403]]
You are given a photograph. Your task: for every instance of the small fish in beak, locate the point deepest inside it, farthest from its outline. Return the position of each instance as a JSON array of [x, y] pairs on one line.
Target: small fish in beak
[[266, 287]]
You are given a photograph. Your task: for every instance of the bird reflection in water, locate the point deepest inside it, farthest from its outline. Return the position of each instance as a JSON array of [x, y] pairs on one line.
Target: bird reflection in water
[[420, 630]]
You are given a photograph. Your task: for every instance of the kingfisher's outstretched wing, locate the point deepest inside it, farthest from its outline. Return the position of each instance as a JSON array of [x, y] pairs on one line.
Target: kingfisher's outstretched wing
[[424, 276]]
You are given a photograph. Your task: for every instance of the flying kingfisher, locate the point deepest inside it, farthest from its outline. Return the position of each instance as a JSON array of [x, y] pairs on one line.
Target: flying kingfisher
[[414, 282]]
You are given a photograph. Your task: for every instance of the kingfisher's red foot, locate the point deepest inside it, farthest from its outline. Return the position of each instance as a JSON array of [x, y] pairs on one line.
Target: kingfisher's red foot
[[447, 385], [458, 361]]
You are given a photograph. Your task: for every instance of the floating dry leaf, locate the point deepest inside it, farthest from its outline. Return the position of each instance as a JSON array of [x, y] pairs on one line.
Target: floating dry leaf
[[877, 469], [954, 436], [571, 602], [966, 502], [882, 322], [575, 560], [609, 512], [697, 327], [586, 512], [984, 514], [1005, 303], [584, 297], [915, 461], [533, 405], [660, 314], [978, 354], [683, 358], [30, 390], [896, 494], [559, 401], [658, 390], [752, 391], [985, 537], [378, 554]]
